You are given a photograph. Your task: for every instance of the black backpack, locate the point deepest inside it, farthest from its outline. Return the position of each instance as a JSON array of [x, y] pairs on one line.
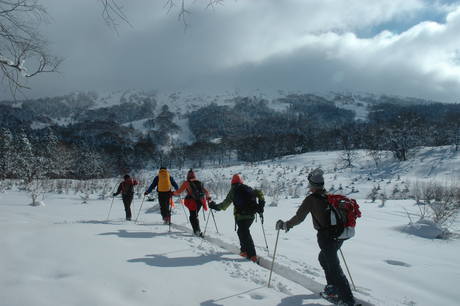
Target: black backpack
[[245, 200], [127, 187], [197, 191]]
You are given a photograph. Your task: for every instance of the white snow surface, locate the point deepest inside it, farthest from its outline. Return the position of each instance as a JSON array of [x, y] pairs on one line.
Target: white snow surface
[[66, 253]]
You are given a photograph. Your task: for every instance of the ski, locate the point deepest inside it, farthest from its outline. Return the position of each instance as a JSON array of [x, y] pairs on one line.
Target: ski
[[333, 299]]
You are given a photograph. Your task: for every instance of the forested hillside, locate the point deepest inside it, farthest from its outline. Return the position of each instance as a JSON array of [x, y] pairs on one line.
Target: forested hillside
[[89, 135]]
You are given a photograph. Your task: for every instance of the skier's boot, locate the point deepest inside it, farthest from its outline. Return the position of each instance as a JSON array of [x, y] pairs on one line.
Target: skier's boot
[[330, 293]]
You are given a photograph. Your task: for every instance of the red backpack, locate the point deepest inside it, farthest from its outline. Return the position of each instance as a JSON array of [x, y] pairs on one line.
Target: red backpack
[[344, 212]]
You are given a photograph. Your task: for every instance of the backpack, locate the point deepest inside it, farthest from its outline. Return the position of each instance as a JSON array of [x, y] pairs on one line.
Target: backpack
[[197, 191], [164, 181], [245, 200], [127, 187], [343, 214]]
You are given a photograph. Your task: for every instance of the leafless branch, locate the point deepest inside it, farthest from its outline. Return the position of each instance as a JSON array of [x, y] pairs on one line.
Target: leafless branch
[[23, 53], [112, 12]]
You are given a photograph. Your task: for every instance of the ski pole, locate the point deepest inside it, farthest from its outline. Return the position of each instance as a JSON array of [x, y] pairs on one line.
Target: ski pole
[[206, 226], [185, 212], [170, 213], [263, 231], [140, 208], [214, 219], [204, 215], [273, 259], [110, 209], [346, 266]]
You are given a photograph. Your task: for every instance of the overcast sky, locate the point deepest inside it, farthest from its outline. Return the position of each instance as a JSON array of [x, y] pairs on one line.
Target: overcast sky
[[398, 47]]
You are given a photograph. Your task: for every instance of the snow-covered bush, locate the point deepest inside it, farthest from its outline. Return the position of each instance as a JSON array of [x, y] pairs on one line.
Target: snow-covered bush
[[437, 203], [35, 190], [426, 229]]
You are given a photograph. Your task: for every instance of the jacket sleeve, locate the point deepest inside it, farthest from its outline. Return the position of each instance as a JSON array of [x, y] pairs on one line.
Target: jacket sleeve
[[153, 185], [208, 196], [228, 200], [301, 214], [259, 195], [181, 189], [118, 190], [173, 182]]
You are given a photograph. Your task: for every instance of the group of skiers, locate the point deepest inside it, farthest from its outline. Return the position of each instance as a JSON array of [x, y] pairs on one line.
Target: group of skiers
[[247, 203]]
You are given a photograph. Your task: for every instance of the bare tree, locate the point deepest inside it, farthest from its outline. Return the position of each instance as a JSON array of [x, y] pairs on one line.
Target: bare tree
[[23, 51], [113, 13]]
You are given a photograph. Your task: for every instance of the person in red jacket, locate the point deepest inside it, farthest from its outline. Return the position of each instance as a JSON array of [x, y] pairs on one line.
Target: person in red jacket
[[126, 188], [196, 197]]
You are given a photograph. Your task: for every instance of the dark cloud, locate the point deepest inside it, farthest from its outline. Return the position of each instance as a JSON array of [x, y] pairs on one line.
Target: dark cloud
[[252, 45]]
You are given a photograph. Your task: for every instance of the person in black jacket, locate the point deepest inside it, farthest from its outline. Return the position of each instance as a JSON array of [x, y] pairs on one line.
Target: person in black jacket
[[247, 202], [126, 188]]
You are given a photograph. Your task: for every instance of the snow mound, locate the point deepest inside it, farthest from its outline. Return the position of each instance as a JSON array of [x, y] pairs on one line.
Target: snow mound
[[425, 229], [37, 203]]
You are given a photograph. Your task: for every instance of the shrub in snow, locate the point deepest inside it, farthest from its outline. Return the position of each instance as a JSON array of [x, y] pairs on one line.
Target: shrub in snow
[[426, 229], [37, 203], [373, 194], [383, 198], [443, 201], [84, 197]]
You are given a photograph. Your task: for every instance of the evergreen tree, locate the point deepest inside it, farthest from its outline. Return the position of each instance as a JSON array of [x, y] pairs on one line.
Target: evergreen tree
[[6, 156]]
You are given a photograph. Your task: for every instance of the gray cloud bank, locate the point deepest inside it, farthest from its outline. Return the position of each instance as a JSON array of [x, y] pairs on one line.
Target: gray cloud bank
[[257, 44]]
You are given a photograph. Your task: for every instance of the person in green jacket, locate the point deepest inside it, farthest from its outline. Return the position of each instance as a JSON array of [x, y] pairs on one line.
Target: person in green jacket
[[247, 202]]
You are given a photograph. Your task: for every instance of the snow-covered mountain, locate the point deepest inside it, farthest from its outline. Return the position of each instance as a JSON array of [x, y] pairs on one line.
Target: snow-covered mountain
[[132, 108]]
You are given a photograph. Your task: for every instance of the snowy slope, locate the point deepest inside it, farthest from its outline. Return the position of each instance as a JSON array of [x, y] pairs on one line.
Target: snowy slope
[[66, 253]]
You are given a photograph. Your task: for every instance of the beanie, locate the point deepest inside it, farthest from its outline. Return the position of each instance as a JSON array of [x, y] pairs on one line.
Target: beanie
[[316, 179], [237, 179], [191, 175]]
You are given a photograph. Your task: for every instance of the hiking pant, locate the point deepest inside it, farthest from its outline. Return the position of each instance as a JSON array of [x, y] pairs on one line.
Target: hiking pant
[[163, 199], [127, 200], [330, 263], [246, 242], [194, 220]]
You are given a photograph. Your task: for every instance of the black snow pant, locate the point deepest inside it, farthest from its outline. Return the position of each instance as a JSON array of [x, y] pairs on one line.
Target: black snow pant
[[127, 200], [246, 242], [163, 199], [330, 263], [194, 220]]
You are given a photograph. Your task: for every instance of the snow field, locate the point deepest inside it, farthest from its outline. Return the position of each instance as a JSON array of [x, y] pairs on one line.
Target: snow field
[[66, 253]]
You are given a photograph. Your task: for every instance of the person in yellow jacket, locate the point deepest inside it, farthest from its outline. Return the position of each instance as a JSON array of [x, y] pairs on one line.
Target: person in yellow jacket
[[163, 182]]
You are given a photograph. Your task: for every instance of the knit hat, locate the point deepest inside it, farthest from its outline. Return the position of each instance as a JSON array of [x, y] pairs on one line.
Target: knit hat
[[126, 176], [316, 179], [190, 174], [237, 179]]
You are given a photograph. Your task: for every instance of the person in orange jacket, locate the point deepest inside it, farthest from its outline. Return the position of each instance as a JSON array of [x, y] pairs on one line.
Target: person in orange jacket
[[196, 197]]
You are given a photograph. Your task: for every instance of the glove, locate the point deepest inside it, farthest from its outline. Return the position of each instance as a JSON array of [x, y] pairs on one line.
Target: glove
[[114, 195], [260, 209], [262, 203], [145, 193], [213, 205], [281, 225]]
